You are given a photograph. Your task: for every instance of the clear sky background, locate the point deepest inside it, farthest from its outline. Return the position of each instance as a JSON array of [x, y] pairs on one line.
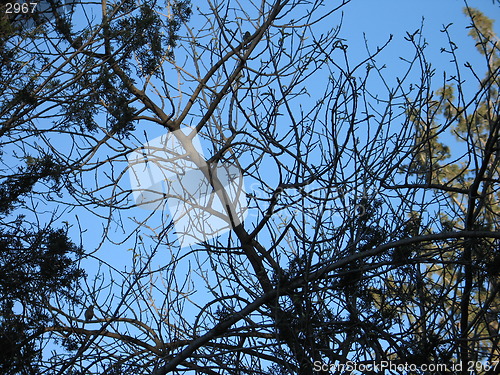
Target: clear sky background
[[379, 19]]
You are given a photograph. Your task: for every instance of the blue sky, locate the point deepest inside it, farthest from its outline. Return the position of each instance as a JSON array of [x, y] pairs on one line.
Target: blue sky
[[379, 19]]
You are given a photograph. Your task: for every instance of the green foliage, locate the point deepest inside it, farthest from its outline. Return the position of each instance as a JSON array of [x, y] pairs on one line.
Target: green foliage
[[14, 187], [81, 113], [121, 115], [482, 31], [35, 266], [181, 12], [140, 34], [18, 354], [38, 261]]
